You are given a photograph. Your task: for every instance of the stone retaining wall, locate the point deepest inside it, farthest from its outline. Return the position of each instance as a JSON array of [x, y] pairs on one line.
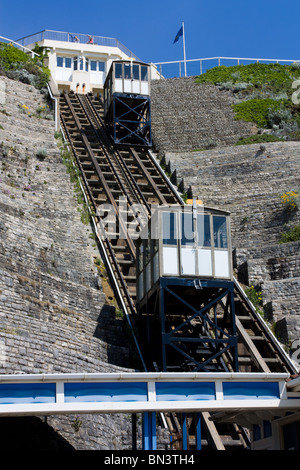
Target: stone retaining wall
[[245, 180], [187, 115], [54, 315]]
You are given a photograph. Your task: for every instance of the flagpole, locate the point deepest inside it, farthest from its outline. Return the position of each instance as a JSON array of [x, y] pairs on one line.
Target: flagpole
[[184, 56]]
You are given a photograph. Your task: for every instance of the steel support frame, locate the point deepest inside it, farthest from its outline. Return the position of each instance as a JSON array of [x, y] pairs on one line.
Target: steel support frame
[[222, 341], [149, 430], [140, 129]]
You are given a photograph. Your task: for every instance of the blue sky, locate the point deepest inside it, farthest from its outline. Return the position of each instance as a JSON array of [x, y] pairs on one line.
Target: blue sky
[[232, 28]]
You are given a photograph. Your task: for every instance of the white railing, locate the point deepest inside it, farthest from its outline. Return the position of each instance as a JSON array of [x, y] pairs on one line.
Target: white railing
[[25, 49], [199, 66]]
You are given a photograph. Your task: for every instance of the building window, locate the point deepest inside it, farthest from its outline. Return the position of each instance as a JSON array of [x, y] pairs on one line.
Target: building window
[[64, 62], [97, 66]]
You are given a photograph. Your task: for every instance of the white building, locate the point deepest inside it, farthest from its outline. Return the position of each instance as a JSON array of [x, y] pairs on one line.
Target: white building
[[80, 62]]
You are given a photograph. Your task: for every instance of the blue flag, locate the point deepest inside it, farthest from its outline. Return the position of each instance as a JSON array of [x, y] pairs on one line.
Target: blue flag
[[180, 33]]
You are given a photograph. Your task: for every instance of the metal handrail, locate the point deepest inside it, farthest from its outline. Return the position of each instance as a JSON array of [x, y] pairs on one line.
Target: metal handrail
[[20, 45], [219, 59], [265, 327], [229, 58]]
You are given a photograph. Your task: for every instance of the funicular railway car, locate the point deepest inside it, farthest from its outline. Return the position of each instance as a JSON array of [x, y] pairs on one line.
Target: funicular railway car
[[185, 289], [127, 103]]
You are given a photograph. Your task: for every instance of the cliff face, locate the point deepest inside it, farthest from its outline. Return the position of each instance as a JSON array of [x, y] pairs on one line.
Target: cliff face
[[245, 180], [186, 116], [54, 316]]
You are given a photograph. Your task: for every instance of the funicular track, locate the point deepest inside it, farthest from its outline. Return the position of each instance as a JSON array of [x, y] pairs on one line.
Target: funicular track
[[130, 181]]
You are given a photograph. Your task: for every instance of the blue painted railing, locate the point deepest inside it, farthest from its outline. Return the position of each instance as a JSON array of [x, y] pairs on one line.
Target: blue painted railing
[[146, 393]]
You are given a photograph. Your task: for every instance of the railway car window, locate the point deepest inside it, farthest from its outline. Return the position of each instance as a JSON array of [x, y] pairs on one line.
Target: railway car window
[[187, 229], [220, 231], [203, 229], [118, 70], [68, 62], [144, 73], [169, 229], [135, 72], [127, 71], [60, 61]]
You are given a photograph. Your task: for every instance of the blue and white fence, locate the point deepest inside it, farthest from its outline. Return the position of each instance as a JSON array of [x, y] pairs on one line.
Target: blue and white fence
[[141, 392], [146, 393]]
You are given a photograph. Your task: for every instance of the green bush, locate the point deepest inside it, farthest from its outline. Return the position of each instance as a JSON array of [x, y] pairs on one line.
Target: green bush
[[19, 66], [256, 110], [10, 55], [292, 236], [258, 139]]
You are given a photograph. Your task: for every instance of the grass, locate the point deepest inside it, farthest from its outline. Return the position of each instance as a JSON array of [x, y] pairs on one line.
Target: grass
[[256, 110], [292, 235], [258, 139]]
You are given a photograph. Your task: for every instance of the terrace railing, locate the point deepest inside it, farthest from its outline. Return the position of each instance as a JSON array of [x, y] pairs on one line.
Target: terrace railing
[[75, 37]]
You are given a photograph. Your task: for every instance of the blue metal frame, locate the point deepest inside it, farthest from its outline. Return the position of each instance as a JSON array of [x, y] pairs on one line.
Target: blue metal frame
[[221, 343], [137, 131], [149, 431]]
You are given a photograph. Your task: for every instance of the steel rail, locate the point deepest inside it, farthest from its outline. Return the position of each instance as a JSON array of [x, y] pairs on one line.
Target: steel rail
[[106, 241], [135, 195], [121, 162], [102, 179]]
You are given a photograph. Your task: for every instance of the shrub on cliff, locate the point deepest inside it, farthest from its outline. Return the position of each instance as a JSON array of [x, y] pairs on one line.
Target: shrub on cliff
[[258, 110], [17, 65]]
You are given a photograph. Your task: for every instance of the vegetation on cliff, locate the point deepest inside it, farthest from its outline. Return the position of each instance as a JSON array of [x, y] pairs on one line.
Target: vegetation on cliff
[[265, 94], [20, 66]]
